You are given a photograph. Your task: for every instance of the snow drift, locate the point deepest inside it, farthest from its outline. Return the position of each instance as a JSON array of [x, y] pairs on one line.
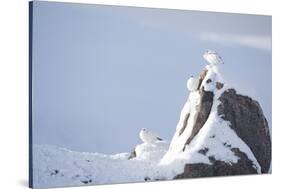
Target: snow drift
[[55, 167]]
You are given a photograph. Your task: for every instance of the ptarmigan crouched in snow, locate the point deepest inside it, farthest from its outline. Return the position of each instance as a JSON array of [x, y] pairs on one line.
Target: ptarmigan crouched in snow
[[213, 59], [192, 83], [148, 137], [152, 149]]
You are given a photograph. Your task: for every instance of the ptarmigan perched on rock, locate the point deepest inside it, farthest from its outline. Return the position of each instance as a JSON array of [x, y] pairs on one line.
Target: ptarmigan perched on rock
[[192, 83], [212, 57], [148, 137]]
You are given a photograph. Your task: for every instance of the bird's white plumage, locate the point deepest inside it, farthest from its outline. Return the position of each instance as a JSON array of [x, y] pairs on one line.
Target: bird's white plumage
[[192, 83], [212, 57], [148, 137]]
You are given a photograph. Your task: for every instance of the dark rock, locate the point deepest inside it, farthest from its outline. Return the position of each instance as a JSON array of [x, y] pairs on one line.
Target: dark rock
[[147, 179], [201, 77], [55, 172], [159, 139], [208, 81], [212, 159], [160, 179], [203, 151], [85, 181], [249, 123], [133, 154], [184, 124], [219, 168], [219, 85], [226, 145], [213, 136]]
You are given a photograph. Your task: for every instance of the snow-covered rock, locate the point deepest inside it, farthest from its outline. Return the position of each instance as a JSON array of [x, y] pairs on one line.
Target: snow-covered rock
[[219, 132], [249, 123]]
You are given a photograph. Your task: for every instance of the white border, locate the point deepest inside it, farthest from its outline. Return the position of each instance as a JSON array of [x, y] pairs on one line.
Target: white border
[[14, 90]]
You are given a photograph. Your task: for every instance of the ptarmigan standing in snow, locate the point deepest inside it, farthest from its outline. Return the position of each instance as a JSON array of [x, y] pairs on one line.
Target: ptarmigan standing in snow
[[192, 83], [148, 137], [212, 57]]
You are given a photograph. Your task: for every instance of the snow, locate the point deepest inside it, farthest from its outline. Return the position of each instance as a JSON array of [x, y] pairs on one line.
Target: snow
[[151, 151], [155, 159], [55, 167]]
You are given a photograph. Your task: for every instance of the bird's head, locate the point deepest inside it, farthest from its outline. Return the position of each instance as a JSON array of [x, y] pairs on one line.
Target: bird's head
[[206, 54], [210, 51]]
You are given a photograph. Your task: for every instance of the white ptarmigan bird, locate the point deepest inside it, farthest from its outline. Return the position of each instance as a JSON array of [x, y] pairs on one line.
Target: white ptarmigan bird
[[148, 137], [192, 83], [212, 57]]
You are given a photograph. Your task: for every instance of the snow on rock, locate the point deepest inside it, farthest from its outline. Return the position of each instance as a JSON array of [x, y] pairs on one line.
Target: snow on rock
[[202, 136], [249, 123]]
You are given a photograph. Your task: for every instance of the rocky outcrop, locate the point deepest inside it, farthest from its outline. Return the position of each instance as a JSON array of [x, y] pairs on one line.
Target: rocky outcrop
[[249, 123], [245, 118]]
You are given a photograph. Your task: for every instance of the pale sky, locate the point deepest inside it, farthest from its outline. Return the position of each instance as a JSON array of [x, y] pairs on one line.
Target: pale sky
[[101, 73]]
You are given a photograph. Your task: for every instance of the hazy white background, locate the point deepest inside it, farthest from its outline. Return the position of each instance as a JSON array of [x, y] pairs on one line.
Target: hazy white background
[[14, 92]]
